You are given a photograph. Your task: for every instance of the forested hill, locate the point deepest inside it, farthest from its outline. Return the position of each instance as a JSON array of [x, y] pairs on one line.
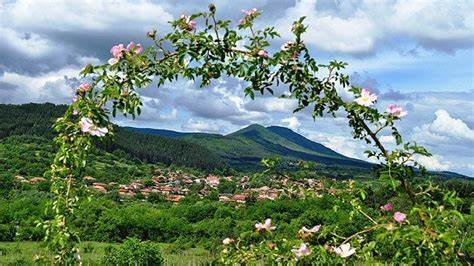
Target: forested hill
[[37, 120], [246, 147], [241, 150]]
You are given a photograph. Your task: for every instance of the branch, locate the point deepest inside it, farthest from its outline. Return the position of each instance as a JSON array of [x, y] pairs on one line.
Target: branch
[[361, 232], [372, 135]]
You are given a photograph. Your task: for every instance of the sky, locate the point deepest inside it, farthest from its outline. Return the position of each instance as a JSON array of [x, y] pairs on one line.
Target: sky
[[417, 54]]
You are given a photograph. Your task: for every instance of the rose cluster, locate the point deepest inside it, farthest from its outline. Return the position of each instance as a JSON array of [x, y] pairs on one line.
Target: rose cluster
[[119, 50]]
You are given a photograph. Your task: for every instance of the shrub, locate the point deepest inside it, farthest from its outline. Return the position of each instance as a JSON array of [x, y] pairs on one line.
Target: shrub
[[134, 252]]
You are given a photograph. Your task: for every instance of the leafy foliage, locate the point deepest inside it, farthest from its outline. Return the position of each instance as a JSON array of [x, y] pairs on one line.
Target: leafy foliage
[[134, 252], [212, 51]]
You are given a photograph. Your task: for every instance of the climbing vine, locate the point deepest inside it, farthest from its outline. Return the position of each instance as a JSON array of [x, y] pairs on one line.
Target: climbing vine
[[201, 48]]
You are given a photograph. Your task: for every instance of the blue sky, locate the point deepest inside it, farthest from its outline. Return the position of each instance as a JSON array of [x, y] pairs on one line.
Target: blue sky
[[418, 54]]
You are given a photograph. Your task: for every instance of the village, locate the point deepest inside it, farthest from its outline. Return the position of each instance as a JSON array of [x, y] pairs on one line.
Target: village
[[175, 185]]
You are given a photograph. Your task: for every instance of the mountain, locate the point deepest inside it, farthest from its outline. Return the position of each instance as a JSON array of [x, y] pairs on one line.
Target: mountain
[[241, 150], [245, 148]]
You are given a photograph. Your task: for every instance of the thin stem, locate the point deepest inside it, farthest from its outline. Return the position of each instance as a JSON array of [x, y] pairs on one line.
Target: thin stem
[[361, 232], [215, 28], [367, 216]]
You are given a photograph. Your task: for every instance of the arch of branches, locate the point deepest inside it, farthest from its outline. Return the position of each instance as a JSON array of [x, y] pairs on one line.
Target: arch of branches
[[204, 52]]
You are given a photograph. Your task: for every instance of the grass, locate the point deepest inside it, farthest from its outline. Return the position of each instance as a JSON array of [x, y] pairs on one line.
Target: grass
[[92, 253]]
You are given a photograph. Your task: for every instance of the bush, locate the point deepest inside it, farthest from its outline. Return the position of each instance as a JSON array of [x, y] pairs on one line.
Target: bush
[[134, 252]]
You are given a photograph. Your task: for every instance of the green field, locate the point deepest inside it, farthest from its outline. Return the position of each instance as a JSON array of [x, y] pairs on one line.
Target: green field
[[24, 253]]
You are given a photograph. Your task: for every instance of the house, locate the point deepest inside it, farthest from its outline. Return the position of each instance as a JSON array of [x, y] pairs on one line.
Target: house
[[99, 188], [174, 198], [126, 193], [35, 180], [224, 199], [240, 198], [212, 180], [146, 191], [21, 179], [187, 181], [136, 185]]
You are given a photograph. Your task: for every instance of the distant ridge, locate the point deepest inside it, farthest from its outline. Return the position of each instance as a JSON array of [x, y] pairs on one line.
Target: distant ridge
[[246, 147], [241, 150]]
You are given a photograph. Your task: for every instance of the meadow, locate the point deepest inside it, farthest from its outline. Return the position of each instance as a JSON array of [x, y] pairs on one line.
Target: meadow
[[25, 252]]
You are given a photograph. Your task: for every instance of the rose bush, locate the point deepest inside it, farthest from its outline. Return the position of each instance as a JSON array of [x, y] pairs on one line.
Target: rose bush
[[202, 48]]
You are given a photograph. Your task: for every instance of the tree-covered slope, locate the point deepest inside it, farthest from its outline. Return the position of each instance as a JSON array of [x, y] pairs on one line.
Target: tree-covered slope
[[245, 148], [37, 120]]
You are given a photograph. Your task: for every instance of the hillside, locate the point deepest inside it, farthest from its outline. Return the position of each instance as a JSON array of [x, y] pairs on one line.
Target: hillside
[[37, 120], [241, 150], [245, 148]]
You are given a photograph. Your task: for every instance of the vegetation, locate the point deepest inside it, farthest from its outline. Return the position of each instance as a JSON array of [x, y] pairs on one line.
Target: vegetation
[[93, 253], [38, 119], [407, 222], [134, 252]]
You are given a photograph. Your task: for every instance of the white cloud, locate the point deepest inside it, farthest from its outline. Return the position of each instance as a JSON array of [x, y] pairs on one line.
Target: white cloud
[[443, 128], [30, 45], [341, 144], [52, 86], [291, 122], [387, 139], [154, 110], [357, 27], [435, 163], [85, 60], [329, 32], [201, 126], [435, 23], [67, 15], [271, 104]]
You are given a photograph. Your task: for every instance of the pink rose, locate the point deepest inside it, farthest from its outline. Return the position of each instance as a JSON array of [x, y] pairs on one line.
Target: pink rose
[[263, 53], [313, 230], [138, 49], [189, 24], [132, 47], [399, 217], [344, 250], [112, 61], [84, 87], [87, 126], [396, 111], [286, 46], [250, 12], [306, 232], [386, 207], [367, 98], [117, 51], [267, 226], [302, 251], [228, 241]]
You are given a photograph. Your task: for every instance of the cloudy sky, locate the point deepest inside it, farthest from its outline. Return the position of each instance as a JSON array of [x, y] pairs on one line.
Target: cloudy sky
[[418, 54]]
